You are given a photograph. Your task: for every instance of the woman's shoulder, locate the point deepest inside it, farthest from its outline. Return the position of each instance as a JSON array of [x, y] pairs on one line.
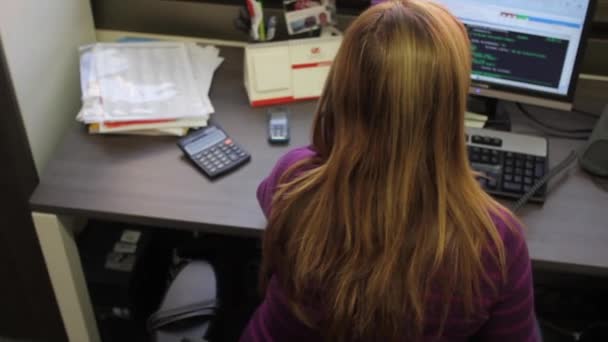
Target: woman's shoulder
[[269, 185], [512, 234], [295, 155], [509, 228], [290, 158]]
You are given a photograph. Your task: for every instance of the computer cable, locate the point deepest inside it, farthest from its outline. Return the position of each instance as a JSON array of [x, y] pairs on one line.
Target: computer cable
[[601, 183], [574, 335], [584, 112], [539, 122], [586, 334], [563, 165]]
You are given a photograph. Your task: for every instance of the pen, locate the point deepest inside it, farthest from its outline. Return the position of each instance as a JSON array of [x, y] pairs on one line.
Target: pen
[[271, 29], [251, 7], [262, 28]]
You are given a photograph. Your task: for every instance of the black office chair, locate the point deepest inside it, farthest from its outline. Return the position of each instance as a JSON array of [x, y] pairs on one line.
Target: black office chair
[[189, 306]]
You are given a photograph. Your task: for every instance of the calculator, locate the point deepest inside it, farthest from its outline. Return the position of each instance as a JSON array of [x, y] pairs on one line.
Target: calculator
[[213, 151]]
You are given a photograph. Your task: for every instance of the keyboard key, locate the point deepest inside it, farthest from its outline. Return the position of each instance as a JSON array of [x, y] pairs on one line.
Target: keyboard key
[[512, 187], [508, 178], [492, 183], [539, 171], [529, 157], [529, 165], [233, 156], [495, 153], [475, 157], [477, 139], [485, 159], [527, 188], [519, 163], [517, 179], [529, 173], [476, 149], [509, 169], [496, 142], [509, 162], [519, 171], [527, 180], [495, 160]]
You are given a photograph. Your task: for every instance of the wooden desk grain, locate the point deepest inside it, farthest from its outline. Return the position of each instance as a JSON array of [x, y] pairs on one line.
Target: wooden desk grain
[[145, 180]]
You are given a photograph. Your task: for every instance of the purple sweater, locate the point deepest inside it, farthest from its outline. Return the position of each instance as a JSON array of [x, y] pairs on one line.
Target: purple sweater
[[506, 317]]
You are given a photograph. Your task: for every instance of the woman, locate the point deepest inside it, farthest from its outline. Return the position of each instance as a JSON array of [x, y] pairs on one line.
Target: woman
[[379, 231]]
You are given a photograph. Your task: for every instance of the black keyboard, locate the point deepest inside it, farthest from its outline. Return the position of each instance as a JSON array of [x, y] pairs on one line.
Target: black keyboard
[[512, 163]]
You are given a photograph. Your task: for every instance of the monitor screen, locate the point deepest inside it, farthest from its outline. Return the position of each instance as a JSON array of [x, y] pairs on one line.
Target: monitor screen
[[530, 46]]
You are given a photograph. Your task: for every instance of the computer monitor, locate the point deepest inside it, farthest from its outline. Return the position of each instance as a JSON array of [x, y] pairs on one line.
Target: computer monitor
[[525, 50]]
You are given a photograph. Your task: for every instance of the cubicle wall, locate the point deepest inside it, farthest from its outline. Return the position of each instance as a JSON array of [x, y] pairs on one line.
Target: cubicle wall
[[27, 306], [41, 40], [595, 60], [39, 98], [214, 19]]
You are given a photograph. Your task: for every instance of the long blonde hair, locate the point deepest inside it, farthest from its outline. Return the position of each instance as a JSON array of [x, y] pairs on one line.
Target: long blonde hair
[[389, 204]]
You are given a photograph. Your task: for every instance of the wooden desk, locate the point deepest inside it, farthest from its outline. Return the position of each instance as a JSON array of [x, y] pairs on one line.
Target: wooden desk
[[145, 180]]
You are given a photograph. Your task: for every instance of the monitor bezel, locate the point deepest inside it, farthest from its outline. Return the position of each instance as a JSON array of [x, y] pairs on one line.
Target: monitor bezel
[[532, 96]]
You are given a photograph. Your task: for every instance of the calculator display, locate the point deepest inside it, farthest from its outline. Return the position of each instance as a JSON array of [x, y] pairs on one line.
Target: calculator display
[[205, 142]]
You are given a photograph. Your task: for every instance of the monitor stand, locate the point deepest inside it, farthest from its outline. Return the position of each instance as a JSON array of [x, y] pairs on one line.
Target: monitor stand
[[498, 118]]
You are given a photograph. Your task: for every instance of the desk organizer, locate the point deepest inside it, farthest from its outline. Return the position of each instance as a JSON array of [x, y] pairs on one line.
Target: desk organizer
[[288, 71]]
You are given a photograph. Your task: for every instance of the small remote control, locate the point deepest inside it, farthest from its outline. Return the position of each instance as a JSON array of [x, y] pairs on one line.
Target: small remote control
[[213, 151], [278, 126]]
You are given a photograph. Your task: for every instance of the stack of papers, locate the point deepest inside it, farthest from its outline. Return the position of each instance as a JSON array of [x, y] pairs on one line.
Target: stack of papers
[[152, 88]]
